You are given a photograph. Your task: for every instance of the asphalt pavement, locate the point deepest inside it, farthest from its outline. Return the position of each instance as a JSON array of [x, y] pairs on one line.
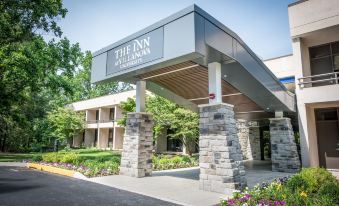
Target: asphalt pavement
[[22, 186]]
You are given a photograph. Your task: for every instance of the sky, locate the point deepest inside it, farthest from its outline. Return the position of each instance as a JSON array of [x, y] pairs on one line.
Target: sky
[[262, 24]]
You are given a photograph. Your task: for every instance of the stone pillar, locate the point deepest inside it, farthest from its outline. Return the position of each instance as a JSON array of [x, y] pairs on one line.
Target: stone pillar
[[254, 141], [243, 135], [136, 157], [220, 157], [284, 156]]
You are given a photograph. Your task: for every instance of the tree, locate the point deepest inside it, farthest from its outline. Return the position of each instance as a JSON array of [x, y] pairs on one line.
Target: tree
[[21, 20], [128, 106], [168, 115], [37, 77], [83, 89], [186, 126], [66, 123], [24, 64]]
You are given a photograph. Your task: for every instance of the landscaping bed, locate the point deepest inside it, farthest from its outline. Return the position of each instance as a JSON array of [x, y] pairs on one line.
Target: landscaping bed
[[311, 186], [89, 162], [166, 162], [95, 162]]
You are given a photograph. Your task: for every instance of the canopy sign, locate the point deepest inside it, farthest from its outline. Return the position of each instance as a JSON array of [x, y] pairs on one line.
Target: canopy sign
[[143, 49]]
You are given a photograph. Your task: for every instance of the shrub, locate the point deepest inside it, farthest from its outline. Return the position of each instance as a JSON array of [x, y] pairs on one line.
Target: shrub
[[70, 157], [51, 157], [172, 162], [309, 179], [311, 186], [186, 159], [37, 158], [330, 190]]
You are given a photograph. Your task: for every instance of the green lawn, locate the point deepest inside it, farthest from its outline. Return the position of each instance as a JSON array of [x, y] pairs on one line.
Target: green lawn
[[96, 153], [14, 157], [87, 153]]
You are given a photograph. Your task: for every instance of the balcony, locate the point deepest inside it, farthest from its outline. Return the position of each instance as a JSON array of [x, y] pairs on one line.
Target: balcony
[[91, 124], [319, 80], [99, 121]]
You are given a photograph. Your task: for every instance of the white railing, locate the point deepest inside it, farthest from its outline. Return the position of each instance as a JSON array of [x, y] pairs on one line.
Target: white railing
[[319, 80], [99, 121]]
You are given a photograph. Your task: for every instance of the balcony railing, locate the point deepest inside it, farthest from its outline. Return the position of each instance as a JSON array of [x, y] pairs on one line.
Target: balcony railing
[[99, 121], [319, 80]]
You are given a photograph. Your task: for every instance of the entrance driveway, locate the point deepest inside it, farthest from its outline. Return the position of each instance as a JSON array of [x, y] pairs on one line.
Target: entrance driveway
[[181, 186], [22, 186]]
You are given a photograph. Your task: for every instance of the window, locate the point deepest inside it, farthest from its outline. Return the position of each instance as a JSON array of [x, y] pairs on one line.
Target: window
[[111, 113], [335, 51], [324, 59], [327, 114], [110, 138], [96, 114], [321, 59]]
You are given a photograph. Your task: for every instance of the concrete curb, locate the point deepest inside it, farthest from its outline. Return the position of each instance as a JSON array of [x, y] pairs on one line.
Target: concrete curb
[[56, 170]]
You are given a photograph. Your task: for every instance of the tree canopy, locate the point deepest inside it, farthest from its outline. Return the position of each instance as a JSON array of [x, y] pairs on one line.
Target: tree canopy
[[39, 77], [66, 123]]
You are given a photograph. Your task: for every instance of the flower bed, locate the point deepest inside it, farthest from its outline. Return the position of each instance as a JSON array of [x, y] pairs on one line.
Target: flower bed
[[90, 167], [312, 186]]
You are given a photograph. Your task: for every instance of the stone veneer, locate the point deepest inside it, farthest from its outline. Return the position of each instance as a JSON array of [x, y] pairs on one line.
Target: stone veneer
[[136, 157], [249, 139], [220, 157], [284, 156], [243, 135], [254, 141]]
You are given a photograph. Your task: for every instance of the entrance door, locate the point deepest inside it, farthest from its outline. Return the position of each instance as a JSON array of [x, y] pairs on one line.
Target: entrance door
[[328, 137]]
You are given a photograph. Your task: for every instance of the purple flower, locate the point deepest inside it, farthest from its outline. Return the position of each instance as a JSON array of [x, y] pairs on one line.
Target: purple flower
[[279, 203], [248, 196], [231, 202]]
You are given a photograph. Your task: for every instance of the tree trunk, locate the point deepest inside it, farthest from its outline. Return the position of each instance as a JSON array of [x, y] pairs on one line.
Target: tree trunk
[[187, 145]]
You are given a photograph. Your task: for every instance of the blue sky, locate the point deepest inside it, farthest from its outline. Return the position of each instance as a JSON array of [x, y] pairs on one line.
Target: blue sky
[[262, 24]]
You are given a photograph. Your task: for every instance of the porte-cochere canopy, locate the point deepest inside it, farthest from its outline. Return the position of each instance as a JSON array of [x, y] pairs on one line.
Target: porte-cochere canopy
[[172, 57]]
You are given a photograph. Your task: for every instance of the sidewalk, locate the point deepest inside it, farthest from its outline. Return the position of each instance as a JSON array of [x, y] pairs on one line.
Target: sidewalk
[[178, 186], [13, 164]]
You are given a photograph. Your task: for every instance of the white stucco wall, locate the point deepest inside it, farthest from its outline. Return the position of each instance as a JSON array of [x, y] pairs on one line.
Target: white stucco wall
[[281, 66], [104, 101], [312, 23], [312, 15]]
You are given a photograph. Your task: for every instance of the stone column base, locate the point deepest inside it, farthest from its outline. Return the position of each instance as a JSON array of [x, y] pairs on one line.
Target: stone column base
[[254, 141], [220, 156], [284, 155], [136, 157]]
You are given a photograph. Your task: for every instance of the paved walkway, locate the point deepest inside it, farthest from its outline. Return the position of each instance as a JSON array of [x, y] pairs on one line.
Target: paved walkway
[[181, 186], [165, 185], [13, 164]]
